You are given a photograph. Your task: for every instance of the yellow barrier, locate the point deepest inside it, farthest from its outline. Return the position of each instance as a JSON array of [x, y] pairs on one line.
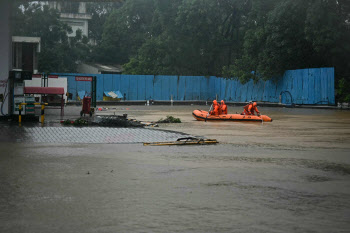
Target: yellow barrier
[[42, 111]]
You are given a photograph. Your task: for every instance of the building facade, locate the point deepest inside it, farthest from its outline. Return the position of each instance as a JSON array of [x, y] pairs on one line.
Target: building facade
[[74, 14]]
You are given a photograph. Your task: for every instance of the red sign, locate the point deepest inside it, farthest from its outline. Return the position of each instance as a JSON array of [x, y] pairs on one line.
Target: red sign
[[52, 76], [83, 78], [36, 75]]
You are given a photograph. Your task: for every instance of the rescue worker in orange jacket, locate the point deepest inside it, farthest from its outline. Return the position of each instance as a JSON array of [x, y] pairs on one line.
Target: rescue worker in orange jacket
[[223, 108], [216, 108], [250, 108]]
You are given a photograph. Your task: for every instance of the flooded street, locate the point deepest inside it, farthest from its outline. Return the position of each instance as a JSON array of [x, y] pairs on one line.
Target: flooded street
[[289, 175]]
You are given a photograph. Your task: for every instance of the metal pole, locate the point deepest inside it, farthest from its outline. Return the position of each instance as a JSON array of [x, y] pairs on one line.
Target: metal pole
[[42, 113], [19, 114]]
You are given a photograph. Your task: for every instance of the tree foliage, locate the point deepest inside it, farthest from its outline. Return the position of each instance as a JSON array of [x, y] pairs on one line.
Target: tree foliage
[[58, 53], [243, 39]]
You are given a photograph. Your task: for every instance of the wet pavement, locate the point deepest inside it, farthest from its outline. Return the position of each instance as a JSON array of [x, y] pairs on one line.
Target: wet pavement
[[290, 175], [72, 135]]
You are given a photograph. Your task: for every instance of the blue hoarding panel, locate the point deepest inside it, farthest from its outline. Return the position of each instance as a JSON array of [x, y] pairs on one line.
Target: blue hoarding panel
[[311, 81], [314, 77], [157, 86], [165, 87], [181, 89], [197, 89], [116, 81], [331, 94], [149, 87], [108, 82], [72, 87], [141, 87], [307, 86], [132, 89], [172, 82]]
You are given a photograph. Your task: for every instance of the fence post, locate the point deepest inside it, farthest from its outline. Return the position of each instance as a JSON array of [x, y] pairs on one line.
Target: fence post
[[42, 113], [19, 113]]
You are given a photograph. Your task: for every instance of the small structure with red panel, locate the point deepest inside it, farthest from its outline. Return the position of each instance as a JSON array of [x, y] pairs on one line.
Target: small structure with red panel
[[86, 109], [51, 95]]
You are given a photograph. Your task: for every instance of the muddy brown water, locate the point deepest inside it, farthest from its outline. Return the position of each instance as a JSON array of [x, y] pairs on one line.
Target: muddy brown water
[[290, 175]]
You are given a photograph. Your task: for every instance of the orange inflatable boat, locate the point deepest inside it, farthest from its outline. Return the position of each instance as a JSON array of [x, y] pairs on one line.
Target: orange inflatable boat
[[201, 115]]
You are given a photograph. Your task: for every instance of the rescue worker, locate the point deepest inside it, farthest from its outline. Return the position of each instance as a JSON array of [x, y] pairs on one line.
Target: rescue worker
[[216, 109], [250, 108], [223, 107]]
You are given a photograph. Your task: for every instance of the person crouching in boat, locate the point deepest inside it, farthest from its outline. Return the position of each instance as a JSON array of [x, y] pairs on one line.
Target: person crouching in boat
[[250, 109], [216, 109], [223, 108]]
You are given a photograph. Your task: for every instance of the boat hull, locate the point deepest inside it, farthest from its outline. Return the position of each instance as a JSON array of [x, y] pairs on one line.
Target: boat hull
[[201, 115]]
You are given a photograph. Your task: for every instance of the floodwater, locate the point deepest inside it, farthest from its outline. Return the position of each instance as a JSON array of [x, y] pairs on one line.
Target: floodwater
[[290, 175]]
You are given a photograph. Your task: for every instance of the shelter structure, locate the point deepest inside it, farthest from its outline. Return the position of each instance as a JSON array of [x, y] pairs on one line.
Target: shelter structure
[[51, 95]]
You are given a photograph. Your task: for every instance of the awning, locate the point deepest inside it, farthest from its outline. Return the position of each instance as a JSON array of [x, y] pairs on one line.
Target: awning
[[44, 90], [113, 94]]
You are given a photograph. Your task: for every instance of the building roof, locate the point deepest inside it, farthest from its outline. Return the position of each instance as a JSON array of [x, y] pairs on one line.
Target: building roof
[[107, 68], [26, 39]]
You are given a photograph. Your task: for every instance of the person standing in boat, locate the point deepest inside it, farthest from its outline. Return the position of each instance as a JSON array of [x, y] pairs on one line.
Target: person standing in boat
[[250, 109], [216, 109], [223, 107]]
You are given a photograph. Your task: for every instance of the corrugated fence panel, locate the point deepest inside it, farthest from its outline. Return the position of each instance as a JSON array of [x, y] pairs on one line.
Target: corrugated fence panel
[[99, 87], [108, 82], [181, 88], [228, 89], [212, 88], [141, 87], [331, 93], [72, 87], [192, 87], [165, 88], [116, 82], [132, 90], [157, 86], [307, 86], [323, 77], [239, 88], [149, 87], [314, 77], [305, 91], [204, 88], [297, 94], [197, 90], [311, 81], [173, 87], [222, 89], [124, 86]]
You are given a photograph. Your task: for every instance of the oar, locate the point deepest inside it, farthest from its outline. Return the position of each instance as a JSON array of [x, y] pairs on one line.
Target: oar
[[208, 112]]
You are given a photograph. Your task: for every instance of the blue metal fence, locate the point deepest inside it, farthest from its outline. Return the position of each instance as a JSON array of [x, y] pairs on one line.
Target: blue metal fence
[[305, 86]]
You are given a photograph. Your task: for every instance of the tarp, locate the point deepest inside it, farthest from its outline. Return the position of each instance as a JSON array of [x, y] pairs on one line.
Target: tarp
[[113, 94]]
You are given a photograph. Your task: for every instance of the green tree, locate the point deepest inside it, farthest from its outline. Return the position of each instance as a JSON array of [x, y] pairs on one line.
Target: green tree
[[293, 35], [193, 37], [58, 53], [100, 11], [125, 30]]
